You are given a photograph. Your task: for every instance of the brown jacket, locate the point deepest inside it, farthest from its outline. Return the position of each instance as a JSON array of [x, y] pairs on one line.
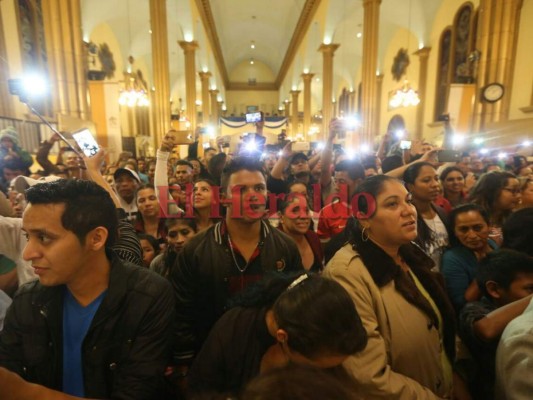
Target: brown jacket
[[402, 359]]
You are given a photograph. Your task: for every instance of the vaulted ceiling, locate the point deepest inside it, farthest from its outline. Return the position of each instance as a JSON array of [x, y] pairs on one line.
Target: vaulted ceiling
[[275, 27]]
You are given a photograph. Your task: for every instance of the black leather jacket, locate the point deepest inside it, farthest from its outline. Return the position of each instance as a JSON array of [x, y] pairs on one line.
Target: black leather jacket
[[204, 277], [127, 345]]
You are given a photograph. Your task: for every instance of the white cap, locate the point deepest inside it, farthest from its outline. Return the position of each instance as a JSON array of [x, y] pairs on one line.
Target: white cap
[[21, 183]]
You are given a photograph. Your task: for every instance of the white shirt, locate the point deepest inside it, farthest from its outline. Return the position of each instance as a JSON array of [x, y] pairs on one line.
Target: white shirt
[[12, 243], [514, 359], [439, 239]]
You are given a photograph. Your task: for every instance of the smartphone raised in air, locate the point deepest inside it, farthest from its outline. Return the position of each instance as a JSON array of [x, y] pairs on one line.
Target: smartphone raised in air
[[86, 142], [253, 117], [405, 144], [449, 155]]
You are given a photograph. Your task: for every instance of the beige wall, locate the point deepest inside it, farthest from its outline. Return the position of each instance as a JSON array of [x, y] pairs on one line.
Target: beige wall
[[243, 71], [399, 40], [237, 100], [521, 95], [13, 49]]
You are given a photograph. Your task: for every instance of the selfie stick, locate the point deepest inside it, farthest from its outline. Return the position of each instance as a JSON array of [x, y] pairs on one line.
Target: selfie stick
[[44, 121]]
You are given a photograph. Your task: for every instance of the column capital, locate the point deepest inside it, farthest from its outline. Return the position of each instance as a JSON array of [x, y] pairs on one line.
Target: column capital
[[307, 76], [214, 92], [379, 78], [367, 3], [423, 52], [204, 75], [295, 92], [328, 48], [188, 46]]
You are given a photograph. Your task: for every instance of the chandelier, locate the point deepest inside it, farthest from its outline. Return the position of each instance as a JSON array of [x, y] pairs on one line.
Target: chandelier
[[406, 96], [135, 93]]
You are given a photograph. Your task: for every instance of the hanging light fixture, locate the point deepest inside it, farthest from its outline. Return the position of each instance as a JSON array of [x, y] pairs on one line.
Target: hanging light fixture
[[405, 96], [135, 92]]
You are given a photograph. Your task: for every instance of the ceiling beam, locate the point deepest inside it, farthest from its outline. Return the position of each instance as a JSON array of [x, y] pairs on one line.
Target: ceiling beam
[[307, 15], [308, 12], [204, 8]]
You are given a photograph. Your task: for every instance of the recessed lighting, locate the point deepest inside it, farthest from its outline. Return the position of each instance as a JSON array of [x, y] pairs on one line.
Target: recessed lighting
[[359, 35], [252, 45], [251, 61]]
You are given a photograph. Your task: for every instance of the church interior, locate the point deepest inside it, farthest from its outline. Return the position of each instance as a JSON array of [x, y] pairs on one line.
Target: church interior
[[130, 70]]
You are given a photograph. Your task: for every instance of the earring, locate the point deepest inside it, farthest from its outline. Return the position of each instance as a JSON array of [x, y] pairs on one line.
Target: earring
[[363, 238]]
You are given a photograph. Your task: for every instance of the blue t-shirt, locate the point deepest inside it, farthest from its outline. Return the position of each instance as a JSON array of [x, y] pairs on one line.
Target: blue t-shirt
[[76, 322]]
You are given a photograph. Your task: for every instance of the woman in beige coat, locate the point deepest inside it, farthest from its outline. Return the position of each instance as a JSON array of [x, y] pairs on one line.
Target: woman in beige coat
[[403, 305]]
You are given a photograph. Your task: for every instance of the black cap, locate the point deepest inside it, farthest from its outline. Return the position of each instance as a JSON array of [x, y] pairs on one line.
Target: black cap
[[298, 157], [127, 171]]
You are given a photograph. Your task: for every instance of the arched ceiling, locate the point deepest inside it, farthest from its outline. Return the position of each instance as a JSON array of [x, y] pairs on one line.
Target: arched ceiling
[[277, 28]]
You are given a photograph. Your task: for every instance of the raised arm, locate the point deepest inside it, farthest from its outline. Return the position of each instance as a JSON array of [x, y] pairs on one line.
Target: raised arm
[[283, 162], [327, 153], [398, 172], [161, 174], [127, 246]]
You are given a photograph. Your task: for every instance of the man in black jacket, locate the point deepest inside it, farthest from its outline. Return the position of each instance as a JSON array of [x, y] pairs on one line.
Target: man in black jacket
[[92, 326], [224, 259]]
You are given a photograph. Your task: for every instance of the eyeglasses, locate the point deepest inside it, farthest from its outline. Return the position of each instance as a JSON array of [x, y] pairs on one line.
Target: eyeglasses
[[513, 191]]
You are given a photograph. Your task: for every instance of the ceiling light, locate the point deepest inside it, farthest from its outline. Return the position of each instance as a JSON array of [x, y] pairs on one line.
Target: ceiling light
[[404, 97], [252, 45], [251, 61], [359, 35]]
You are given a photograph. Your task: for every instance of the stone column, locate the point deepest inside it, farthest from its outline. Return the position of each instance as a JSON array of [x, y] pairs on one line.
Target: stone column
[[6, 101], [214, 107], [294, 112], [423, 55], [160, 105], [498, 25], [370, 62], [377, 116], [308, 78], [204, 77], [189, 48], [65, 51], [328, 50]]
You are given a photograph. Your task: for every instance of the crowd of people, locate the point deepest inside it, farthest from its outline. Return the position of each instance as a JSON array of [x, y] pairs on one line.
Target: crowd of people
[[276, 273]]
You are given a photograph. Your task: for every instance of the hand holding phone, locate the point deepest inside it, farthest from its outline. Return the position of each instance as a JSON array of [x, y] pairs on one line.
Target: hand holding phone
[[253, 117], [405, 145], [449, 156], [86, 142]]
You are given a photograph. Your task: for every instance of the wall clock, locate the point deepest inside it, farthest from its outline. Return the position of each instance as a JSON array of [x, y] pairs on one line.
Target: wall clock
[[492, 92]]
